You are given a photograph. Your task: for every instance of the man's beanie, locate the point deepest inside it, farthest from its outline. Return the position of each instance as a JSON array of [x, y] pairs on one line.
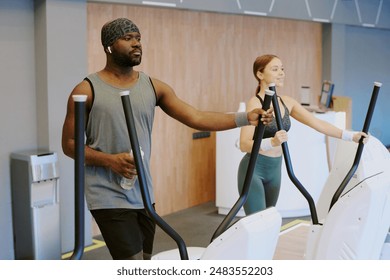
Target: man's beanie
[[115, 29]]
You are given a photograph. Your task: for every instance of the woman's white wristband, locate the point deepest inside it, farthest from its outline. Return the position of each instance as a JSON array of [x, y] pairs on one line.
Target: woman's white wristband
[[347, 135], [241, 119], [266, 144]]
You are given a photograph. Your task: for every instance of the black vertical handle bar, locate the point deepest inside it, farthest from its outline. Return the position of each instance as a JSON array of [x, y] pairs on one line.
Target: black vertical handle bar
[[79, 103], [359, 152], [141, 177], [258, 136], [287, 159]]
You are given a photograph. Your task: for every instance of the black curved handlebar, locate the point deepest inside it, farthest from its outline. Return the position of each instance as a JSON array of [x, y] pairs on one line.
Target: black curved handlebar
[[359, 152], [142, 180], [287, 159], [258, 136]]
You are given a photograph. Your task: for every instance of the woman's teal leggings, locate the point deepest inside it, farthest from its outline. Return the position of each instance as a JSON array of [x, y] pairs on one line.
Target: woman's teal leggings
[[265, 184]]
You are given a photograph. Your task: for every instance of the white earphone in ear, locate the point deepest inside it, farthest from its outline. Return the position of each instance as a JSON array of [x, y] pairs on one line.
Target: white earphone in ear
[[109, 50]]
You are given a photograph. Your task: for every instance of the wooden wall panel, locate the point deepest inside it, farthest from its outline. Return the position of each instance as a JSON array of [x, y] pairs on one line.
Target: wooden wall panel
[[207, 58]]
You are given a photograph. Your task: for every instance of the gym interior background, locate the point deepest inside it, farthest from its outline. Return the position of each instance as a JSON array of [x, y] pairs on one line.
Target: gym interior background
[[204, 51]]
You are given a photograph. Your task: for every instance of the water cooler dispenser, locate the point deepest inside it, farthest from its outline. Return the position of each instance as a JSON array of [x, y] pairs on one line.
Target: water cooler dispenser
[[35, 205]]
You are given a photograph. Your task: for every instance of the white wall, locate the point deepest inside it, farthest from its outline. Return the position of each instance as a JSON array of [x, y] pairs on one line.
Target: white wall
[[17, 107], [43, 56], [61, 55]]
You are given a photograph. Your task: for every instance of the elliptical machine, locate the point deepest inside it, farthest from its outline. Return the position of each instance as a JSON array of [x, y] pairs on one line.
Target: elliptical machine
[[354, 209], [355, 217]]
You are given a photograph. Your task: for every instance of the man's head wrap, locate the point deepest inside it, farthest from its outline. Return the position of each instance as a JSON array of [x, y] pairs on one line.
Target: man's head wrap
[[113, 30]]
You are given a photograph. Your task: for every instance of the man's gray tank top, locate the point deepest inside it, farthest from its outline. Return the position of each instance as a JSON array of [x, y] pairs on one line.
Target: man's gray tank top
[[107, 132]]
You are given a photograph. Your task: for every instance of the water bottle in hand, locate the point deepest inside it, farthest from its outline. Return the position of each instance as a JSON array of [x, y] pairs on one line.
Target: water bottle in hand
[[126, 183]]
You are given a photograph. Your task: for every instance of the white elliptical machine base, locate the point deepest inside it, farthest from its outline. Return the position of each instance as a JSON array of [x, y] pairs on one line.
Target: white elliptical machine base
[[357, 226], [253, 237]]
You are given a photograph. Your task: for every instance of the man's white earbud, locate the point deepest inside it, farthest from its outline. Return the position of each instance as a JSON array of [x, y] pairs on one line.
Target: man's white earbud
[[109, 50]]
